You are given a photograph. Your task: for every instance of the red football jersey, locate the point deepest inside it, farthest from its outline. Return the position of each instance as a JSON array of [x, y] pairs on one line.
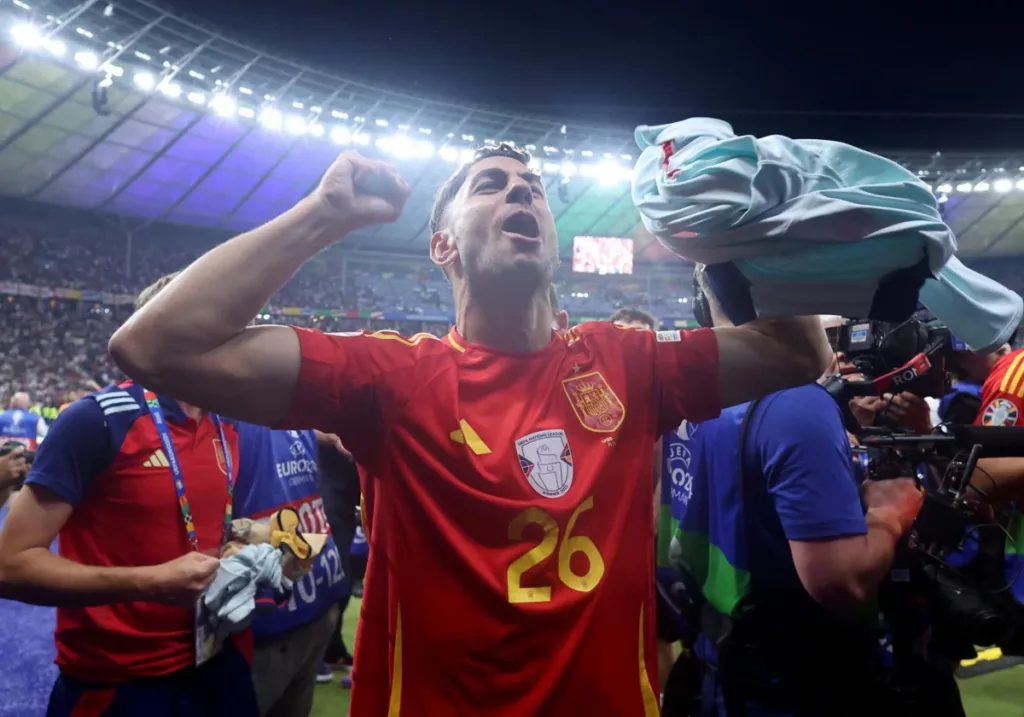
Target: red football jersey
[[1002, 396], [512, 543], [104, 456]]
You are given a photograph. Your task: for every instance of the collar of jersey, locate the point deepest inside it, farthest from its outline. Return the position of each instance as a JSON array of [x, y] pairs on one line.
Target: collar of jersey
[[169, 405], [460, 344]]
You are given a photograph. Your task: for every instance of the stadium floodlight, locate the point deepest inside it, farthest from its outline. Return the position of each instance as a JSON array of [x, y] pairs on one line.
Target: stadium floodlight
[[247, 112], [341, 135], [339, 115], [83, 32], [944, 188], [943, 199], [316, 129], [382, 123], [449, 154], [26, 35], [171, 89], [568, 169], [197, 98], [587, 153], [1002, 185], [295, 125], [982, 187], [608, 173], [144, 80], [245, 90], [1020, 184], [271, 118], [964, 187], [361, 138], [224, 105], [552, 167], [424, 130], [114, 70], [55, 46], [87, 60]]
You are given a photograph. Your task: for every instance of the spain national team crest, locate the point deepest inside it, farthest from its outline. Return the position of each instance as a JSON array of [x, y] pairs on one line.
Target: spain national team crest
[[546, 461], [218, 449], [1000, 412], [594, 402]]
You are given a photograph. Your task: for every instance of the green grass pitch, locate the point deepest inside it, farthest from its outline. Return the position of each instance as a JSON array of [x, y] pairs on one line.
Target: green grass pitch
[[999, 694]]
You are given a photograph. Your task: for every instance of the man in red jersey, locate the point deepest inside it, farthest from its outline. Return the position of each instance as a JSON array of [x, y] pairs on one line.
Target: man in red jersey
[[129, 568], [512, 527], [1002, 404]]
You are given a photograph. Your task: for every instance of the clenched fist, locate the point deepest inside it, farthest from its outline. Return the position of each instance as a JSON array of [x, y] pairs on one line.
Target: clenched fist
[[358, 192], [182, 580]]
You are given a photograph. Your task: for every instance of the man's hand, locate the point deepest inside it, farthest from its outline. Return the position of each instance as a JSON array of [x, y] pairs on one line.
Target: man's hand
[[894, 503], [906, 409], [13, 467], [182, 580], [358, 192], [329, 440]]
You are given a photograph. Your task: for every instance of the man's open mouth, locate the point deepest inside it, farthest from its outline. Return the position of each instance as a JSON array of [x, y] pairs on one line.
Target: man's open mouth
[[522, 223]]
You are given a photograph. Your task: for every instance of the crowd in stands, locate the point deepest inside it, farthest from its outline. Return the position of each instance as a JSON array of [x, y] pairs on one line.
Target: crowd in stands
[[50, 347]]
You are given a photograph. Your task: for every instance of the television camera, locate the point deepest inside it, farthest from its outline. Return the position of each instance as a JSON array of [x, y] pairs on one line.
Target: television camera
[[970, 604]]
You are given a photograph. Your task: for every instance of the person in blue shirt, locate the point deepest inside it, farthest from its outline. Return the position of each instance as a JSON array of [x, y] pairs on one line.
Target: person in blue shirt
[[20, 424], [278, 469], [772, 533]]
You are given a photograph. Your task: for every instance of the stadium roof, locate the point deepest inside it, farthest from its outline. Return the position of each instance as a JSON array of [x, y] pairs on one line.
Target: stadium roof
[[136, 112]]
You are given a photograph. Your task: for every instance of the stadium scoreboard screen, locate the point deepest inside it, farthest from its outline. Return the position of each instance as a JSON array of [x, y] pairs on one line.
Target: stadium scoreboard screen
[[602, 255]]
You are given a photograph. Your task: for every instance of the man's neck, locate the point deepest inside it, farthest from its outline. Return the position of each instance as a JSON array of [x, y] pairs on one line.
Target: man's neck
[[193, 412], [516, 331]]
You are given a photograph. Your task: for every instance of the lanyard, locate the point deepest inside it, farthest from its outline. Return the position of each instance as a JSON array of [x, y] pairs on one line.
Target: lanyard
[[179, 484]]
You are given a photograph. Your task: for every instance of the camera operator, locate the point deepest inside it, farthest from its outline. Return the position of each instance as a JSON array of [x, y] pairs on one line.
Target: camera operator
[[772, 529]]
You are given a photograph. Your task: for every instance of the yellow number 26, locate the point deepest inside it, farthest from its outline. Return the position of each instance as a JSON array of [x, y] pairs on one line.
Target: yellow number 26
[[546, 548]]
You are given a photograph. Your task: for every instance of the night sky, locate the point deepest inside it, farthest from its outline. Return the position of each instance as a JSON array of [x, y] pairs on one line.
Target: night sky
[[920, 78]]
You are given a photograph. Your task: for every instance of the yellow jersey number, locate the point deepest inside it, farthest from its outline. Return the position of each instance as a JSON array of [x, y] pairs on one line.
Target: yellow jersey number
[[547, 546]]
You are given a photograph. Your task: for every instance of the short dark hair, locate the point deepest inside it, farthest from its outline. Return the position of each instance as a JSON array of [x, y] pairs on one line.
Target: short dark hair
[[454, 183], [627, 315], [147, 294]]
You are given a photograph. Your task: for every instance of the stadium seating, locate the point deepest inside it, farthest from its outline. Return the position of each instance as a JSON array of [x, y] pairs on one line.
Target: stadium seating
[[65, 286]]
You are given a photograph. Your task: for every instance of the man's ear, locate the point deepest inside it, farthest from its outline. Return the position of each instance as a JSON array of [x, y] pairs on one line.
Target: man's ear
[[443, 251]]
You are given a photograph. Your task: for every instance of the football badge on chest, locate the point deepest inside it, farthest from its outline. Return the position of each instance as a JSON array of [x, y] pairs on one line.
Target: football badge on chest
[[546, 460], [594, 402]]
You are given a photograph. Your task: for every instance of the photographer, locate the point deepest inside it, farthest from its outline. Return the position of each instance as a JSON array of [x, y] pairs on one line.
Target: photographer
[[772, 529]]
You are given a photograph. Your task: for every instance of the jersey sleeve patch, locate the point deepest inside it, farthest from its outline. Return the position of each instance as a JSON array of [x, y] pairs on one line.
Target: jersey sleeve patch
[[1000, 412], [667, 336]]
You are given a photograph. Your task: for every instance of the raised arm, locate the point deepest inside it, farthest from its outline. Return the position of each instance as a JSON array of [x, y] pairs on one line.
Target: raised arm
[[768, 355], [193, 340]]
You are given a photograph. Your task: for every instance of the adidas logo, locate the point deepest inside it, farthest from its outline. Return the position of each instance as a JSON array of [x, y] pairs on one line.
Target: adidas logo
[[157, 460]]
